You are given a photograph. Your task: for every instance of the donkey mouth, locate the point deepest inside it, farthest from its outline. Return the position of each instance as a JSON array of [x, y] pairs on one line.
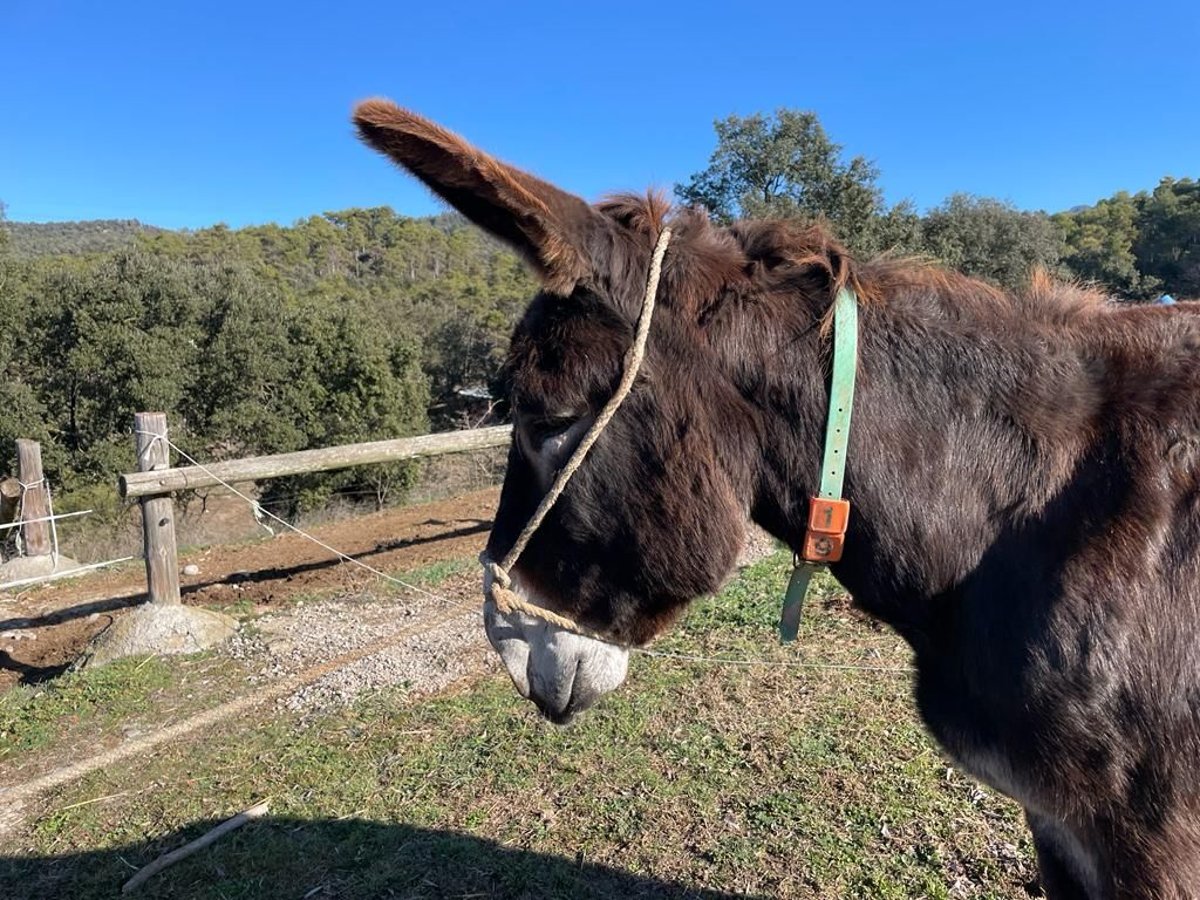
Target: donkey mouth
[[560, 717], [582, 698]]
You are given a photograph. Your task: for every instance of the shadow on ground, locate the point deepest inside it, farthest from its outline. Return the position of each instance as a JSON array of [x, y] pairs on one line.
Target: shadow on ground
[[350, 858]]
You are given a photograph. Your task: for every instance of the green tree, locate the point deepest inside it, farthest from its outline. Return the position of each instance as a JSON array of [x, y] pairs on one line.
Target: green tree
[[1098, 245], [242, 400], [252, 340], [347, 380], [114, 335], [22, 411], [1167, 247], [786, 166], [990, 239]]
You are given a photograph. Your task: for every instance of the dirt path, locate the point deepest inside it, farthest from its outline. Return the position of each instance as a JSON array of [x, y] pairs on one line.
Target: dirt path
[[43, 630]]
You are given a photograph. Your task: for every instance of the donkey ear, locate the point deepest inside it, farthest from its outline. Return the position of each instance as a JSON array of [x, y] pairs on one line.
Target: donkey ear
[[548, 226]]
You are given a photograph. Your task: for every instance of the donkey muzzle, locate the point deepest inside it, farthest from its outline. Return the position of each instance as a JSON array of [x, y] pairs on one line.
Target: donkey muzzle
[[561, 672]]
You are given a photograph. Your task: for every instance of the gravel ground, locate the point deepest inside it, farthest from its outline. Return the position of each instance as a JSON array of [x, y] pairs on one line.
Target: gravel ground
[[307, 634]]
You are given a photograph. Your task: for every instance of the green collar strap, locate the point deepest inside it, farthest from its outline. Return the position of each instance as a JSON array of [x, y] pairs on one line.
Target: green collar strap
[[828, 512]]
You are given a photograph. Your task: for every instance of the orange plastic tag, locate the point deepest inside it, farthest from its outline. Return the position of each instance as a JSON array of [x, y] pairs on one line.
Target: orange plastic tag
[[826, 535]]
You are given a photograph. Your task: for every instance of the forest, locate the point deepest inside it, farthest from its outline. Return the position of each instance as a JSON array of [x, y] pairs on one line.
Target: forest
[[364, 323]]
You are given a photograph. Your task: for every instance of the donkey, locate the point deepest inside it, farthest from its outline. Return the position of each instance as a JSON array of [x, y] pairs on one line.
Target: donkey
[[1023, 472]]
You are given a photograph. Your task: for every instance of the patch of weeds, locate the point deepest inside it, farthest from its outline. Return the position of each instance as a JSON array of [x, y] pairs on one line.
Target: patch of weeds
[[242, 609], [437, 573], [32, 717]]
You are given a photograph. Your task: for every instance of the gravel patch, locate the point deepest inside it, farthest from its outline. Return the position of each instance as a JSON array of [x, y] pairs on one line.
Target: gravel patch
[[307, 634]]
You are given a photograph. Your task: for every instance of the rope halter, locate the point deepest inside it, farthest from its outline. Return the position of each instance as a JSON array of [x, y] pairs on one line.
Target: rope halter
[[497, 583]]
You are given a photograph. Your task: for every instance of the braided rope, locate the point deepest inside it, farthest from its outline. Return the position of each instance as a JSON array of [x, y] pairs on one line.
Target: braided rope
[[498, 588]]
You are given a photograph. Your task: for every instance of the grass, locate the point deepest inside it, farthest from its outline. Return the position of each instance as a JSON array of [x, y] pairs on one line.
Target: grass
[[437, 573], [695, 780], [34, 717]]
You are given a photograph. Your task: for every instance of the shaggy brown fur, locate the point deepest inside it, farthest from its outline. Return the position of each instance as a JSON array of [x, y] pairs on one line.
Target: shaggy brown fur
[[1024, 473]]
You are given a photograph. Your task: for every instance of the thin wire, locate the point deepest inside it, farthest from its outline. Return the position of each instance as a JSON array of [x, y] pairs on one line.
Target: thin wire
[[155, 437], [53, 525], [71, 515], [65, 573], [344, 557], [788, 663], [19, 534]]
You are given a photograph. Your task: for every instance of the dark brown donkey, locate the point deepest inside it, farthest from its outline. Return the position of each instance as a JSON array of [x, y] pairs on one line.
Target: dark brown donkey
[[1022, 470]]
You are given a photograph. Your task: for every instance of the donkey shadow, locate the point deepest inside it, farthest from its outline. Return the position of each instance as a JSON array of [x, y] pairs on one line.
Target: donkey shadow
[[278, 857]]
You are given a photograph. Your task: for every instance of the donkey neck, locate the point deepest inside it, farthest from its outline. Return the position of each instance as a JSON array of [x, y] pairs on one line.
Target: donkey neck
[[960, 429]]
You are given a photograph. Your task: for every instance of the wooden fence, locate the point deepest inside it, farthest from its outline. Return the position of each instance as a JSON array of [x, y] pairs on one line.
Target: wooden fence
[[155, 481]]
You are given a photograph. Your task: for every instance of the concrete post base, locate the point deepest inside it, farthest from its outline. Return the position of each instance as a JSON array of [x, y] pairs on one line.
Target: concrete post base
[[160, 628]]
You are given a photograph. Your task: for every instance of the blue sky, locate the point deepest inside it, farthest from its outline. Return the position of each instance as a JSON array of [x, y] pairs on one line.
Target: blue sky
[[191, 114]]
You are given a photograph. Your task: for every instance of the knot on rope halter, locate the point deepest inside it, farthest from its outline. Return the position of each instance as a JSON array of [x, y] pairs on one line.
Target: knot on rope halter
[[498, 588]]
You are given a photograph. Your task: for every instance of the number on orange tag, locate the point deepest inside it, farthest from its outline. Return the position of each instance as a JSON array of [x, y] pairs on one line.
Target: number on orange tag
[[823, 548], [826, 535], [828, 516]]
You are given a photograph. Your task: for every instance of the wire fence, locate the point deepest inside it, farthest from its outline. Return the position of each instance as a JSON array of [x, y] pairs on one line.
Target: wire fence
[[262, 515], [477, 605], [14, 543]]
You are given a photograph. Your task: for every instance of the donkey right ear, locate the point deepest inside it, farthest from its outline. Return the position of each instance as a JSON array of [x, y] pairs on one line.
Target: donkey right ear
[[548, 226]]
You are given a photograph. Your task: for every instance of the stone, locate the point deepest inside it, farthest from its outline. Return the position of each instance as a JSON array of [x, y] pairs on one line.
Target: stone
[[191, 569]]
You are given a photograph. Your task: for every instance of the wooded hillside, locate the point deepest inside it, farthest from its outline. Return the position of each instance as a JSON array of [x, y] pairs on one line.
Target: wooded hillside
[[345, 327]]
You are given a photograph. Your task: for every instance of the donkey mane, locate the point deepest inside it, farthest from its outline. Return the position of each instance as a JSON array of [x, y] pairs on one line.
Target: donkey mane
[[715, 263]]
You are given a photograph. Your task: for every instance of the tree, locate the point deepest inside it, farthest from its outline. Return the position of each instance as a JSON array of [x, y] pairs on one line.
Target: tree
[[252, 340], [1098, 246], [1167, 247], [786, 166], [990, 239], [114, 335]]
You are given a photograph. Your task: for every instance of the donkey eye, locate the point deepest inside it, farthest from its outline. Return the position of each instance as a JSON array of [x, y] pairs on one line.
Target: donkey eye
[[542, 430]]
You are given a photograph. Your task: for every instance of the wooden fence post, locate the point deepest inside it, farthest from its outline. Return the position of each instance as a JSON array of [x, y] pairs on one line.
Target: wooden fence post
[[34, 503], [10, 499], [158, 512], [164, 625]]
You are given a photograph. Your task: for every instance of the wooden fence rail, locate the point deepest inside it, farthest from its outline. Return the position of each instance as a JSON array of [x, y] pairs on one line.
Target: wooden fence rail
[[157, 481], [256, 468]]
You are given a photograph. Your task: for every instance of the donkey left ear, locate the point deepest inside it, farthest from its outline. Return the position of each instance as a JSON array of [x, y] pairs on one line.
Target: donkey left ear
[[548, 226]]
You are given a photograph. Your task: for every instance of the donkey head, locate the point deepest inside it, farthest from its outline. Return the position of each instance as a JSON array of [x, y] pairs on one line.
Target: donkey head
[[656, 514]]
